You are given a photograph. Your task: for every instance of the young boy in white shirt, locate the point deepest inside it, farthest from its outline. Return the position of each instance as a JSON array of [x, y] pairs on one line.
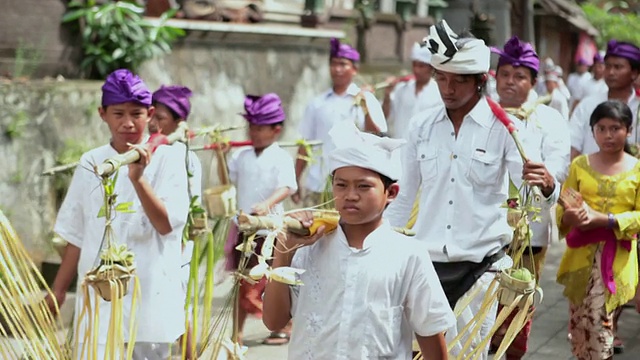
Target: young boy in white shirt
[[368, 290], [157, 187], [264, 176]]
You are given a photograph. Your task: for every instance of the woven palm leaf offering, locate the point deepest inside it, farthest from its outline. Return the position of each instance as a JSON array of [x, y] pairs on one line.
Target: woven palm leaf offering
[[24, 315]]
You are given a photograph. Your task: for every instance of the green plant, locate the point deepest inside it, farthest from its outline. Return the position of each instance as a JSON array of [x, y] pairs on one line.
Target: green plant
[[27, 59], [115, 35], [69, 154], [613, 25], [16, 126]]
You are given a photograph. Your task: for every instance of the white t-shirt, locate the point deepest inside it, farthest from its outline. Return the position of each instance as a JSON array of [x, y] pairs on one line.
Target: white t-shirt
[[319, 118], [258, 177], [405, 104], [160, 312], [365, 303]]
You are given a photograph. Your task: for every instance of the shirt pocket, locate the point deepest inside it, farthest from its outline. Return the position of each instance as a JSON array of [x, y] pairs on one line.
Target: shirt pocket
[[383, 330], [428, 161], [484, 169]]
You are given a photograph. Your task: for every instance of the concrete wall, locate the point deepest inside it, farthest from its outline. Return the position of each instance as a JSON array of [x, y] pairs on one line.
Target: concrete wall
[[220, 67]]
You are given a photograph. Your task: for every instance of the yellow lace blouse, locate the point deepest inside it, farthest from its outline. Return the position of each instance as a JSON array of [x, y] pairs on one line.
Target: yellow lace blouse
[[620, 195]]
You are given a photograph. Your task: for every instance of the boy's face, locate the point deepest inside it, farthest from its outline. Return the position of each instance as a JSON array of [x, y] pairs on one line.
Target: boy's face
[[263, 136], [456, 90], [360, 195], [162, 121], [126, 122]]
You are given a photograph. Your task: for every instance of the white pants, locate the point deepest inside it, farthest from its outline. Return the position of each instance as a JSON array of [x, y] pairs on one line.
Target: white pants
[[141, 351], [467, 315]]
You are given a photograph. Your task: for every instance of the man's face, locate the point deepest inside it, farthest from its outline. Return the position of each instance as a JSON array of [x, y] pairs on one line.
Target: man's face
[[342, 71], [456, 90], [513, 84], [422, 71], [162, 121], [598, 70], [618, 73], [127, 122]]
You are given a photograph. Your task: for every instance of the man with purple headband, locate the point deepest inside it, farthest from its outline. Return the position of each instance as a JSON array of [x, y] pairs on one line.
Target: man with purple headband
[[575, 79], [264, 176], [594, 84], [333, 106], [172, 106], [157, 187], [622, 64], [548, 132]]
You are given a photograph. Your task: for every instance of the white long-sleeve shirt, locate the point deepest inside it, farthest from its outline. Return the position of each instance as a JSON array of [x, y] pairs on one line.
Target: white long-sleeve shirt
[[463, 180], [322, 114], [581, 134], [363, 304]]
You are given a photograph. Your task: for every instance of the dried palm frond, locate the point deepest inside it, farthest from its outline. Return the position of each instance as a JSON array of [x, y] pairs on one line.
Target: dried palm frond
[[24, 315]]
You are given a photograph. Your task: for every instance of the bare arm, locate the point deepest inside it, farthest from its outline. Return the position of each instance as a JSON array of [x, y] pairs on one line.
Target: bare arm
[[277, 299], [264, 207], [435, 346], [64, 277]]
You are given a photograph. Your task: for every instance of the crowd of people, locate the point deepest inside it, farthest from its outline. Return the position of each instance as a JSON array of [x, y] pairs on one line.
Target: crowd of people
[[434, 142]]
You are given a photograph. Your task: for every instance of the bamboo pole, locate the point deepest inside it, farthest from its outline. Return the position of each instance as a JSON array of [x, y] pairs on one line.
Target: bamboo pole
[[111, 165]]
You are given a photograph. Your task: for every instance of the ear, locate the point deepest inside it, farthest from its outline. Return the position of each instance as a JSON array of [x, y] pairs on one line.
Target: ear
[[277, 130], [392, 192], [150, 112], [102, 112]]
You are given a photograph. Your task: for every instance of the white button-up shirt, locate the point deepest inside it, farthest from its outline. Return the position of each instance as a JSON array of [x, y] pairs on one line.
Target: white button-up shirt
[[365, 303], [258, 177], [463, 180], [160, 312], [405, 103], [322, 114], [560, 103], [581, 134], [547, 131], [591, 86]]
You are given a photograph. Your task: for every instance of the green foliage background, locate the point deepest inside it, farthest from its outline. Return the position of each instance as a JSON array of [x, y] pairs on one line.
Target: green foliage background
[[613, 24]]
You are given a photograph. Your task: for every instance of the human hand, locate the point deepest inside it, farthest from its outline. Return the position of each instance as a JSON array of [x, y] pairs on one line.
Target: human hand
[[297, 196], [136, 169], [305, 218], [536, 174], [575, 217], [391, 81], [58, 297], [260, 209]]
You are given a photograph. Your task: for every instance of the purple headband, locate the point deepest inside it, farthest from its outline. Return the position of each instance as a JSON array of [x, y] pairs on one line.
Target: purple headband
[[623, 50], [518, 53], [263, 110], [582, 61], [121, 86], [175, 98], [343, 51], [597, 58]]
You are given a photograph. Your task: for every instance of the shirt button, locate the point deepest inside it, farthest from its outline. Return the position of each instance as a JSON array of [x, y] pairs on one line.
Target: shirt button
[[450, 202], [453, 133], [444, 250], [455, 156], [452, 179], [448, 226], [422, 156]]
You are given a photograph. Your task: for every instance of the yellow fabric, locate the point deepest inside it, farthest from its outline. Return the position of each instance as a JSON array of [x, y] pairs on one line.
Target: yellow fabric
[[620, 195], [329, 219], [414, 212]]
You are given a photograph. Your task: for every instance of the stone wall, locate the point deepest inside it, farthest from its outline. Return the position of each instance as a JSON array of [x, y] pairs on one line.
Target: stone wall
[[39, 120]]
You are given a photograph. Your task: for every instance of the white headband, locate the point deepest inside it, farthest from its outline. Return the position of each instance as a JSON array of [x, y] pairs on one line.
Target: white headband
[[453, 54]]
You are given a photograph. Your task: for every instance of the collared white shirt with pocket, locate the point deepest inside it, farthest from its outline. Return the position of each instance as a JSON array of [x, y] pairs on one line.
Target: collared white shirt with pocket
[[463, 180], [363, 304], [319, 118], [160, 312]]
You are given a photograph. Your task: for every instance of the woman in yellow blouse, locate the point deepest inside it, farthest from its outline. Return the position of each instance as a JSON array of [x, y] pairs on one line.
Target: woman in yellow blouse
[[599, 269]]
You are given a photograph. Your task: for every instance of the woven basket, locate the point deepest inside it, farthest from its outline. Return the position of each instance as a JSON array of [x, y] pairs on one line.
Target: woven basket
[[101, 281], [514, 216], [511, 288], [220, 200]]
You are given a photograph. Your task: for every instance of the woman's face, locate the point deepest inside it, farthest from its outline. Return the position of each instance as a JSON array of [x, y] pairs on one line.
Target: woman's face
[[610, 135]]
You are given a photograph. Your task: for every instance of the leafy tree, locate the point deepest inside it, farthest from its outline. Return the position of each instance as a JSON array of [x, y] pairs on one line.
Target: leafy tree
[[115, 35], [618, 25]]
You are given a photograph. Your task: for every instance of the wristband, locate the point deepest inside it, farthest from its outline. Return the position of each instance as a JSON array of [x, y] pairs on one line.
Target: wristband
[[612, 221]]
